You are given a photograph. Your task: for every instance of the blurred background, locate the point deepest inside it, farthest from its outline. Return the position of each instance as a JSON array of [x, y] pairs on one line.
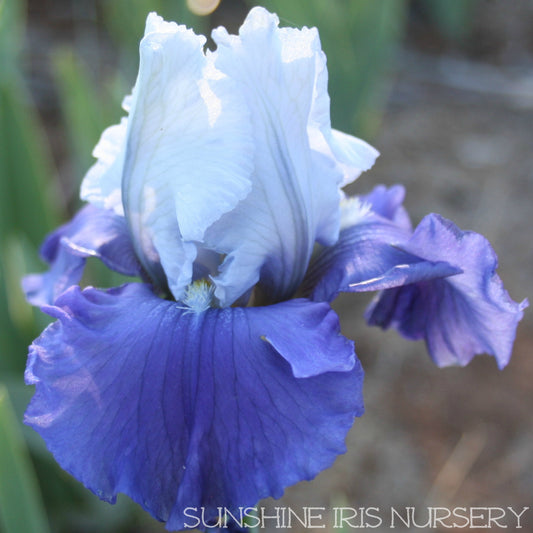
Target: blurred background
[[443, 89]]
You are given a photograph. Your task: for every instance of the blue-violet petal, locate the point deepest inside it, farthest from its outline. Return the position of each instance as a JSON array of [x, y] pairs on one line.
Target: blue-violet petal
[[180, 409], [368, 255], [458, 316], [93, 232]]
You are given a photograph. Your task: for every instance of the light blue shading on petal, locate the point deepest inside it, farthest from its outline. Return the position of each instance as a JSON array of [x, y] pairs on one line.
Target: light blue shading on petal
[[181, 159], [269, 236]]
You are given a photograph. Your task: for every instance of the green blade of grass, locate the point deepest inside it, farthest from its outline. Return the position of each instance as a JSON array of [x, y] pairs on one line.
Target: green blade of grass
[[85, 111], [21, 508], [28, 209]]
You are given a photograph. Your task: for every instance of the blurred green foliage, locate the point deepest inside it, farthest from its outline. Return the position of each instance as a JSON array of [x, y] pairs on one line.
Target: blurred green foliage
[[21, 507], [27, 209], [86, 109], [452, 18], [359, 38]]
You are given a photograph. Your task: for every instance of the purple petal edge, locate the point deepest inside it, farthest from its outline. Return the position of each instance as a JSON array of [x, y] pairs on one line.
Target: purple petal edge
[[93, 232]]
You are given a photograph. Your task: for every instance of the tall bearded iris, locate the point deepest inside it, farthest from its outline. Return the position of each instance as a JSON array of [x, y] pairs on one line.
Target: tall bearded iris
[[222, 377]]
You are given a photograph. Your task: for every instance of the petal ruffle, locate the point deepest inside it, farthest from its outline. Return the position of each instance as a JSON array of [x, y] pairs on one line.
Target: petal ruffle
[[190, 151], [368, 255], [102, 184], [438, 283], [181, 409], [269, 237], [93, 232], [182, 158], [459, 316], [222, 141]]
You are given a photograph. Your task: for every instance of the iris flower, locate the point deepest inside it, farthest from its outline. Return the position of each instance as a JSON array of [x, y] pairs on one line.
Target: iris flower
[[221, 376]]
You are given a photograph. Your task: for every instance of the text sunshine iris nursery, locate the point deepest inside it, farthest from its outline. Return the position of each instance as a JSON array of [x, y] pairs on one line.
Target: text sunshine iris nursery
[[221, 377]]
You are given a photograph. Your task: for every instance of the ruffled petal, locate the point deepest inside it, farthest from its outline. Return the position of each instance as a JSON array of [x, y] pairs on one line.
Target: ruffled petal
[[102, 184], [388, 204], [362, 253], [189, 152], [294, 201], [368, 255], [366, 258], [180, 409], [182, 158], [438, 283], [93, 232], [459, 316]]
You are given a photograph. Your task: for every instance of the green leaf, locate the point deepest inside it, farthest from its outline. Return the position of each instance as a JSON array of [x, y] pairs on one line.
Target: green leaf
[[453, 17], [86, 110], [28, 205], [21, 508], [27, 209], [11, 34], [25, 166]]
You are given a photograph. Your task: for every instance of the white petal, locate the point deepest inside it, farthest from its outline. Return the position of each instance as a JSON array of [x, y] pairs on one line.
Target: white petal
[[102, 184], [353, 154], [189, 151], [295, 196]]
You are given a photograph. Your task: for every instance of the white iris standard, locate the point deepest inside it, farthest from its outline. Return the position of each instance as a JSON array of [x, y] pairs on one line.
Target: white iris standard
[[227, 166]]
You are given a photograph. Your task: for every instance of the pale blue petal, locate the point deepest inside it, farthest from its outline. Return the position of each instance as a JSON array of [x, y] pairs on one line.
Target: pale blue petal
[[294, 201], [353, 154], [189, 153], [182, 159], [348, 154], [102, 184]]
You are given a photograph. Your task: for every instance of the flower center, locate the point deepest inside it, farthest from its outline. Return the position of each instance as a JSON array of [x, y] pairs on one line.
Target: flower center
[[199, 296]]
